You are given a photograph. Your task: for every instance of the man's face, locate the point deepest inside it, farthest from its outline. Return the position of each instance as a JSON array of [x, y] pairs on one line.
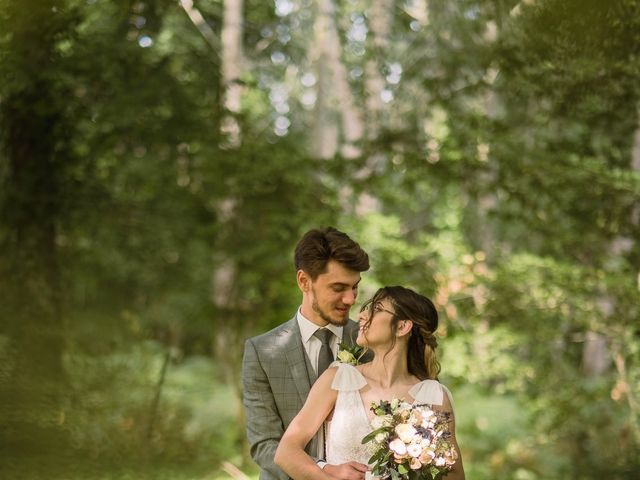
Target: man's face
[[329, 298]]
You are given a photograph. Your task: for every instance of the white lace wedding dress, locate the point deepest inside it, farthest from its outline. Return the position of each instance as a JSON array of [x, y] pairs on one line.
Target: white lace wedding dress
[[350, 421]]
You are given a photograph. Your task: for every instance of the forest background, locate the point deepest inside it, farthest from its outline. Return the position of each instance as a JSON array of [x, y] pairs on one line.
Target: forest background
[[161, 158]]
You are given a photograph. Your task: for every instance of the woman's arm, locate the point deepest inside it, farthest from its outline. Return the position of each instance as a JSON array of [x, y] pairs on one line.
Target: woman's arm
[[290, 454], [458, 469]]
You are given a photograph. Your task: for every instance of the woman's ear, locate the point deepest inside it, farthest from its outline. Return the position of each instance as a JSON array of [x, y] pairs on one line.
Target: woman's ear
[[404, 327]]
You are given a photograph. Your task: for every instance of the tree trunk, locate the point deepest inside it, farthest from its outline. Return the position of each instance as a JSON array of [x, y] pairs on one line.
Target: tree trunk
[[596, 352], [380, 20], [230, 45], [337, 118], [34, 154], [201, 24], [232, 61]]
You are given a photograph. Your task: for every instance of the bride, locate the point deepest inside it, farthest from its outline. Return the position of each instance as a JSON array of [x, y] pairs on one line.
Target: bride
[[398, 325]]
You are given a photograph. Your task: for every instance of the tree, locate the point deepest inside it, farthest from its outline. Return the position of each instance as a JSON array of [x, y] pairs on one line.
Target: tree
[[36, 194]]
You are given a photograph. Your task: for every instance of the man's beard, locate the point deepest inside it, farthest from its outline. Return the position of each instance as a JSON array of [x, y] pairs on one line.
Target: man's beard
[[325, 316]]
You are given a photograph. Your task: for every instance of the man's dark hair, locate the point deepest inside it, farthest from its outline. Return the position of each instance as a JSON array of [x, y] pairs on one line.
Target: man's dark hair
[[318, 246]]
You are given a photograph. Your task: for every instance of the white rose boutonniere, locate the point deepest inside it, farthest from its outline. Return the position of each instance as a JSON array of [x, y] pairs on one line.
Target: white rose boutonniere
[[350, 354]]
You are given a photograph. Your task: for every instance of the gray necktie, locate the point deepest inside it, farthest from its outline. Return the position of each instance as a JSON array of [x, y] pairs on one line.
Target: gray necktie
[[326, 355]]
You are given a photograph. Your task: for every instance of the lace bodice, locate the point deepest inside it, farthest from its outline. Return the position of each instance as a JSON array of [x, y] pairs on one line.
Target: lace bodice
[[350, 422]]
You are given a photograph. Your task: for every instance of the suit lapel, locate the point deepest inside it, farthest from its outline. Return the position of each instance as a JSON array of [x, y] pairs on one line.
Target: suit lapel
[[295, 355]]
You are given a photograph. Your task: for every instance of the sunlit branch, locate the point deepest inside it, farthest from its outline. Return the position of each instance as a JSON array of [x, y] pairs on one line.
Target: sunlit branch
[[200, 23]]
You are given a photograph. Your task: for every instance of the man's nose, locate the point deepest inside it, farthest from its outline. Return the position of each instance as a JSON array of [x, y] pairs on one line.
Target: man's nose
[[349, 298]]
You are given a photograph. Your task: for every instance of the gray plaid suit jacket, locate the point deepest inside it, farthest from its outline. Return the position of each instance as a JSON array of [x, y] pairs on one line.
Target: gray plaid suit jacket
[[276, 379]]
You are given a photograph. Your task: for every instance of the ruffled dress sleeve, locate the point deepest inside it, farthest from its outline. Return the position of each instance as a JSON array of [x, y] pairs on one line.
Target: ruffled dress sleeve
[[430, 392], [347, 378]]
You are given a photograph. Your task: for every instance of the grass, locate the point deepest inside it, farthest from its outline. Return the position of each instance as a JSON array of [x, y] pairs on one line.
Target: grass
[[57, 468]]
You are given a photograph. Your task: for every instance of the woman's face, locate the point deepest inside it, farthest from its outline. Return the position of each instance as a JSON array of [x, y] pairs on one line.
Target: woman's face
[[376, 330]]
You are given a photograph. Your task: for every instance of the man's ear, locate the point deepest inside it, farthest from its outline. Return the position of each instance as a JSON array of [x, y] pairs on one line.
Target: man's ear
[[304, 281], [404, 327]]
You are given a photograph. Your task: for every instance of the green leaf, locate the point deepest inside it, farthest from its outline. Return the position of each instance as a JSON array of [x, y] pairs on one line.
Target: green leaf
[[372, 435]]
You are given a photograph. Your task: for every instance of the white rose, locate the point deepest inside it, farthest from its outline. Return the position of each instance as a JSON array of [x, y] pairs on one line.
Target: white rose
[[398, 447], [346, 357], [406, 432], [414, 450], [381, 437]]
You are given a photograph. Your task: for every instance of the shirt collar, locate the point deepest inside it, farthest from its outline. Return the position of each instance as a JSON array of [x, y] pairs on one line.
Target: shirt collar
[[308, 328]]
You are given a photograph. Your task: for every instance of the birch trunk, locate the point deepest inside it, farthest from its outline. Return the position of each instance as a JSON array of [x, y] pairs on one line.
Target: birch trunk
[[380, 18], [200, 23], [324, 143], [232, 69], [232, 61], [337, 118]]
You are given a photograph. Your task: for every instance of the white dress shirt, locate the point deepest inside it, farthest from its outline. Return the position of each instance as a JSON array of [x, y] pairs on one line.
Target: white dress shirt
[[312, 344], [312, 347]]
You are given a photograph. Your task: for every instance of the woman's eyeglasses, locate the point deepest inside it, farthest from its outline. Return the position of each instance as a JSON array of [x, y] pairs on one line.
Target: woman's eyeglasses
[[377, 307]]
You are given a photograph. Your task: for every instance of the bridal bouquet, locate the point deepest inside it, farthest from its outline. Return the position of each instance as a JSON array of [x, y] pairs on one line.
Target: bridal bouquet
[[412, 442]]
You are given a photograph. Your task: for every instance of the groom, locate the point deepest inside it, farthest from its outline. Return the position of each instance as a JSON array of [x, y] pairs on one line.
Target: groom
[[280, 366]]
